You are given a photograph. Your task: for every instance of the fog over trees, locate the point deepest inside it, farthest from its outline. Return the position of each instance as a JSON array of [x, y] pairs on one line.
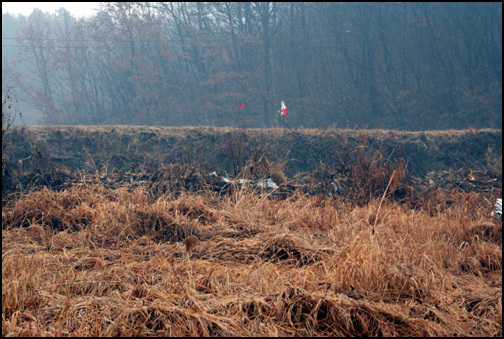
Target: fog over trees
[[407, 66]]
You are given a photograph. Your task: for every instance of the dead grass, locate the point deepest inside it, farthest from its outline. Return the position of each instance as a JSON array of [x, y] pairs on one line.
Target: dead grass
[[96, 261]]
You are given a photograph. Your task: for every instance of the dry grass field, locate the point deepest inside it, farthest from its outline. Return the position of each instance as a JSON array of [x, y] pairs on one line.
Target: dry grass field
[[98, 257], [95, 261]]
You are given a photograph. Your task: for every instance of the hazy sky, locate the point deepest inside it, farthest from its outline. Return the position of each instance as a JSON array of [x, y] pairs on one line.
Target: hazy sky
[[78, 9]]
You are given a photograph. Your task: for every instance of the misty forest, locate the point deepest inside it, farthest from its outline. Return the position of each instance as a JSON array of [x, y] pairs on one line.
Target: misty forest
[[407, 66]]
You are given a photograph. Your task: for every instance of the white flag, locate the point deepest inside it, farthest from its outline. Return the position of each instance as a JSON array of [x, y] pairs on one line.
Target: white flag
[[283, 110]]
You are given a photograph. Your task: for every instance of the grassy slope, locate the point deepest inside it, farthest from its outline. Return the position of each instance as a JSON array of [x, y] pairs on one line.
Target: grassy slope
[[302, 150]]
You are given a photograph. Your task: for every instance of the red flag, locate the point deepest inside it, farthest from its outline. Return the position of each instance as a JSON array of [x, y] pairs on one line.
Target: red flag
[[242, 106], [283, 109]]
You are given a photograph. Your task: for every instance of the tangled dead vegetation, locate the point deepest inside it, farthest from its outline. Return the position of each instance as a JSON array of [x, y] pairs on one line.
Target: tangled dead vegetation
[[92, 260], [355, 164]]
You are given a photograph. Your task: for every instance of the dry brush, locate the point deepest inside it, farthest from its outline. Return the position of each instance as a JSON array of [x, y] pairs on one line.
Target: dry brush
[[96, 261]]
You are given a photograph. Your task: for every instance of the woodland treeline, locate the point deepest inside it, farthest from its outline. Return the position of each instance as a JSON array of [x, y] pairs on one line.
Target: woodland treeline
[[407, 66]]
